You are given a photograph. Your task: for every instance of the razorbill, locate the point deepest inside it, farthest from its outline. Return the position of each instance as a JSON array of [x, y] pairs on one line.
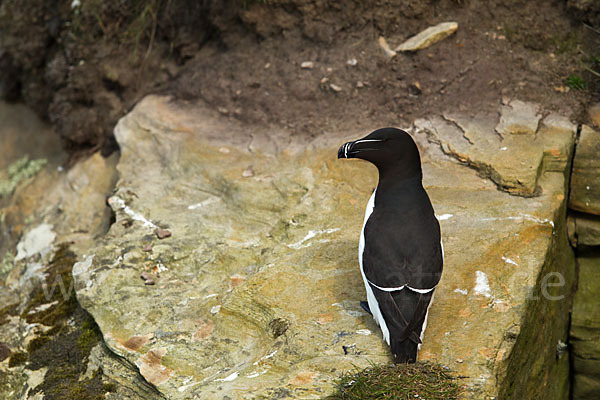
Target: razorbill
[[400, 250]]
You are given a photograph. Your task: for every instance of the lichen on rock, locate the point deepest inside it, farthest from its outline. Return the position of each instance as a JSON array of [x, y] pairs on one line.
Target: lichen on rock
[[18, 171]]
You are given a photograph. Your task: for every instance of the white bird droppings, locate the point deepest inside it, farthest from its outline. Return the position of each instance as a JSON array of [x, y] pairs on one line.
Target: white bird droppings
[[38, 240], [509, 261], [482, 285], [311, 234], [118, 203], [229, 378]]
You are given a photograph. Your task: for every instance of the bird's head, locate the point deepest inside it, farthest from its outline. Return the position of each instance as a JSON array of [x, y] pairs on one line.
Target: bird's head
[[391, 150]]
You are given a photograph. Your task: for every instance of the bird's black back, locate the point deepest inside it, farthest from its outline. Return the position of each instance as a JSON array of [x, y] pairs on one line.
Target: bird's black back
[[402, 238]]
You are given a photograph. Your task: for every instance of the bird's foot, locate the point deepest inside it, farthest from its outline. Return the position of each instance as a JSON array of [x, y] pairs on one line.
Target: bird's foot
[[365, 306]]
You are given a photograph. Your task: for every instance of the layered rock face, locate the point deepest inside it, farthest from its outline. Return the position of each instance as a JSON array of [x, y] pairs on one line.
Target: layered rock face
[[584, 232], [230, 268]]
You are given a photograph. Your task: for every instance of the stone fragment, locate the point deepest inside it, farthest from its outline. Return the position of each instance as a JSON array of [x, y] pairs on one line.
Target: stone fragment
[[307, 65], [335, 87], [415, 88], [145, 276], [352, 62], [386, 47], [586, 229], [162, 233], [248, 172], [518, 118], [428, 37], [557, 132], [585, 177], [148, 247]]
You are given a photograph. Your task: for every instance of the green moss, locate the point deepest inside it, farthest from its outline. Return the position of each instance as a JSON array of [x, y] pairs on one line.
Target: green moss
[[402, 381], [16, 359], [65, 348], [38, 343], [18, 171], [5, 311], [89, 337], [58, 288]]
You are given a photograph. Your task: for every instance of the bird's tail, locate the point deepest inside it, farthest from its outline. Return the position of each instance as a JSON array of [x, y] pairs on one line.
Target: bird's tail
[[404, 351], [405, 344]]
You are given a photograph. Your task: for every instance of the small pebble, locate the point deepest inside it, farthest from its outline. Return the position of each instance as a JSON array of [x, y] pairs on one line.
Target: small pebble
[[162, 233], [335, 87], [248, 172], [307, 65], [386, 48], [149, 282], [147, 247], [352, 62], [415, 88], [145, 276], [359, 84], [267, 65]]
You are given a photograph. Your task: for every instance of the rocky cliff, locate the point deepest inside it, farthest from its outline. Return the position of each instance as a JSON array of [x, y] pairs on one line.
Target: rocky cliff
[[229, 269]]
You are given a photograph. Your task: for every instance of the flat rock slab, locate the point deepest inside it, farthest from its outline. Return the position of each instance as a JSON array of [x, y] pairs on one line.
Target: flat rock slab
[[257, 289], [515, 162], [429, 36]]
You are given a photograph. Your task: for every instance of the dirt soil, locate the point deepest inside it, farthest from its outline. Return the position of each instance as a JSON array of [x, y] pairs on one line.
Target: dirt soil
[[84, 66]]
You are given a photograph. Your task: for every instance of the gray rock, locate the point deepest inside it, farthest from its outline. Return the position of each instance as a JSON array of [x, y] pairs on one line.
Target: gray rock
[[518, 118], [260, 276]]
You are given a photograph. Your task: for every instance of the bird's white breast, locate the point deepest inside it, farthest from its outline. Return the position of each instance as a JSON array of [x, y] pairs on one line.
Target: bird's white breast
[[373, 304]]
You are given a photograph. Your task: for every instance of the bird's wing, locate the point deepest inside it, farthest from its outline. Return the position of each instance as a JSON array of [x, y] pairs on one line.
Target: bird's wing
[[398, 253]]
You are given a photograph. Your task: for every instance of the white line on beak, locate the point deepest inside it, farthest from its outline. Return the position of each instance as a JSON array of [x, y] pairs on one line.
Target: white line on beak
[[368, 140]]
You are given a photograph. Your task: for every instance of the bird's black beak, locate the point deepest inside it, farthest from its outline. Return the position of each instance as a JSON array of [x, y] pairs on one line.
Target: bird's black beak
[[346, 150]]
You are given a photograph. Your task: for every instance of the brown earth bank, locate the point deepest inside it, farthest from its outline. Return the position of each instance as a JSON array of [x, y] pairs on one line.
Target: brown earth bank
[[84, 64]]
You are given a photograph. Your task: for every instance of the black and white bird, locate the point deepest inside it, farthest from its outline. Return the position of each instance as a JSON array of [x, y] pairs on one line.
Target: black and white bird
[[400, 250]]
